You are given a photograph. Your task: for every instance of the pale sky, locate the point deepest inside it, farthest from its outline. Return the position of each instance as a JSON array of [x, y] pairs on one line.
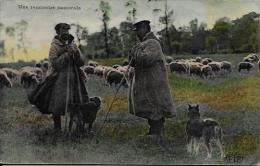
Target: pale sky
[[42, 21]]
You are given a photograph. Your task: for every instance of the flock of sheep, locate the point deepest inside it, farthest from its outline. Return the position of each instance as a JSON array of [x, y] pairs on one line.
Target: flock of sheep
[[29, 76], [203, 67]]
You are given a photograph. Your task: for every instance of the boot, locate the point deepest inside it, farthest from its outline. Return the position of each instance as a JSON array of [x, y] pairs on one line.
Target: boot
[[57, 122], [156, 127]]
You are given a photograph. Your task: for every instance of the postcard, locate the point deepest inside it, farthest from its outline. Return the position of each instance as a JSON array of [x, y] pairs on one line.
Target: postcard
[[141, 82]]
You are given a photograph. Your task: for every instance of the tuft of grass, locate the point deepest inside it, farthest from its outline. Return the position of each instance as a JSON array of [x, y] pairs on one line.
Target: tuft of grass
[[124, 132], [120, 104], [243, 144]]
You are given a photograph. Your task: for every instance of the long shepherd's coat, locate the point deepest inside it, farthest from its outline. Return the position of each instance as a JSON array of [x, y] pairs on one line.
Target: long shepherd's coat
[[149, 93], [68, 69]]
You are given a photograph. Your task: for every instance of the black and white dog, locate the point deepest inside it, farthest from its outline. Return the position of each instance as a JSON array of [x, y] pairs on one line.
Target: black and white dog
[[202, 131]]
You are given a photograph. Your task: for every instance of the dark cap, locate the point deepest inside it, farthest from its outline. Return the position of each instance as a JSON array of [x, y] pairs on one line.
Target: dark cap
[[141, 24], [62, 25]]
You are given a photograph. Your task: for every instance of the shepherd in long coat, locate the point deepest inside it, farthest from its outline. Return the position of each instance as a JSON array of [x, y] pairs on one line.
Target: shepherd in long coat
[[65, 62], [149, 92]]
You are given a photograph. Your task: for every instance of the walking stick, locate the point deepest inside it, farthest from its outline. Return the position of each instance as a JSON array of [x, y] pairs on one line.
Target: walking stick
[[110, 107]]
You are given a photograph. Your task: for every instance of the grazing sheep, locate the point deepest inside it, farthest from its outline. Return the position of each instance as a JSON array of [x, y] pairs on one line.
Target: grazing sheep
[[106, 70], [11, 73], [192, 60], [4, 80], [38, 72], [248, 59], [39, 65], [216, 66], [245, 66], [178, 67], [92, 63], [128, 73], [115, 77], [98, 70], [45, 65], [84, 113], [168, 59], [209, 59], [252, 58], [226, 66], [206, 130], [88, 69], [204, 61], [198, 59], [125, 63], [195, 68], [116, 66], [28, 77], [206, 71]]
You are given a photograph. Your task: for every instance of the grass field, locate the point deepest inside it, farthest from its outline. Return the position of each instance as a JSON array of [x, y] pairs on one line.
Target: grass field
[[233, 100]]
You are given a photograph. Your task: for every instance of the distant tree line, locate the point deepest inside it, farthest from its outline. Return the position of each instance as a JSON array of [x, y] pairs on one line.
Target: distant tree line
[[226, 36]]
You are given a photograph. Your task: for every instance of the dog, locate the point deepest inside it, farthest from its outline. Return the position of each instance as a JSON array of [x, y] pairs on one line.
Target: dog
[[84, 113], [202, 131]]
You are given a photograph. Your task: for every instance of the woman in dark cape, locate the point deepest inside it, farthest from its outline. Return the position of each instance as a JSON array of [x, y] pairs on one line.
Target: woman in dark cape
[[64, 83]]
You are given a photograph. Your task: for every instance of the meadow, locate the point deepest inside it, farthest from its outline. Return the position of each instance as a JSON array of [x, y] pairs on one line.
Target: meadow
[[232, 99]]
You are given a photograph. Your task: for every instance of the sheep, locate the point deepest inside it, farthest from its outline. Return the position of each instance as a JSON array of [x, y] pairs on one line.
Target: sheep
[[125, 63], [253, 57], [194, 68], [204, 61], [198, 59], [129, 72], [98, 70], [4, 80], [88, 69], [216, 66], [38, 72], [106, 70], [226, 66], [29, 77], [168, 59], [115, 77], [92, 63], [245, 65], [11, 73], [178, 67], [39, 65], [45, 65], [248, 59], [116, 66], [209, 59], [206, 71], [192, 60]]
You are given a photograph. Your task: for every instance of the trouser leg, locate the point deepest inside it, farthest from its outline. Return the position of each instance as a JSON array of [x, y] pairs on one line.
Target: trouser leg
[[57, 122], [156, 126]]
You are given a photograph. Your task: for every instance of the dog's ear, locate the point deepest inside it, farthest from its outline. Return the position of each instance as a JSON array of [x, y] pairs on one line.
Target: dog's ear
[[197, 107], [189, 107]]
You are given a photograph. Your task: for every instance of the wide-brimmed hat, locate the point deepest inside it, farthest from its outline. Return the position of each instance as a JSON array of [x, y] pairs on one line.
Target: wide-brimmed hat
[[141, 24]]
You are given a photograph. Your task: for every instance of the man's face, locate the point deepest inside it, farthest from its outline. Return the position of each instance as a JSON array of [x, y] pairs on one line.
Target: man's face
[[140, 32]]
